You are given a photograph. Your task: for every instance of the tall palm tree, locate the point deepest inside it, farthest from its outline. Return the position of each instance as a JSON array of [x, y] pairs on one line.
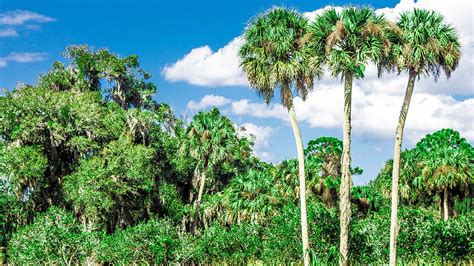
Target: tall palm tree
[[274, 57], [211, 139], [349, 40], [422, 45]]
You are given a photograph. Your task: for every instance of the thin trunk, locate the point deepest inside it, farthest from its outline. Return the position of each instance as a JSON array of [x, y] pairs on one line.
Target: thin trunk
[[441, 204], [302, 181], [346, 182], [199, 196], [445, 204], [396, 166]]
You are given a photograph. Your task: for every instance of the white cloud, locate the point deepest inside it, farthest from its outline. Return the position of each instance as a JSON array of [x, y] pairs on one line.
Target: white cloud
[[19, 17], [204, 67], [261, 137], [25, 57], [244, 107], [22, 58], [208, 101], [374, 115], [10, 32]]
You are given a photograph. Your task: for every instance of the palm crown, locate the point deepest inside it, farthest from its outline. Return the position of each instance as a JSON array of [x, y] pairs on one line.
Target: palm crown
[[211, 138], [423, 43], [276, 55], [349, 39]]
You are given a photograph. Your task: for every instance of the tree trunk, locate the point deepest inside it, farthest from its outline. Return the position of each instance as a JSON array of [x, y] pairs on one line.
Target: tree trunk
[[302, 181], [445, 204], [199, 196], [396, 166], [441, 204], [346, 182]]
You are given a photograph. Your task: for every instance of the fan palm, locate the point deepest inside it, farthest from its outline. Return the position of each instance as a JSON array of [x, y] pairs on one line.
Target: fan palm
[[447, 164], [274, 56], [327, 150], [211, 139], [422, 45], [349, 40]]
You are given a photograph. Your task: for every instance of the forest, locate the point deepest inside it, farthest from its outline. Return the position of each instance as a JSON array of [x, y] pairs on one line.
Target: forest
[[94, 170]]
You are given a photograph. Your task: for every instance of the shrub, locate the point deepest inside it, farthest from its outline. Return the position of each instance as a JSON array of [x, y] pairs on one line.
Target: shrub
[[55, 237], [152, 242]]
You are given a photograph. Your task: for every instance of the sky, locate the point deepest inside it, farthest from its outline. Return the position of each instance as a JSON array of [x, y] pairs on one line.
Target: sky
[[190, 49]]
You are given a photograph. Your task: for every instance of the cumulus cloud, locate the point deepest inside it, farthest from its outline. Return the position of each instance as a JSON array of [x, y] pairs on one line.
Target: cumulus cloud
[[245, 107], [374, 115], [22, 58], [261, 136], [20, 17], [204, 67], [10, 32], [208, 101]]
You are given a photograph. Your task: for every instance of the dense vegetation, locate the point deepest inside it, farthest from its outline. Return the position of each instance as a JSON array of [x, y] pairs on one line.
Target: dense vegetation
[[94, 170]]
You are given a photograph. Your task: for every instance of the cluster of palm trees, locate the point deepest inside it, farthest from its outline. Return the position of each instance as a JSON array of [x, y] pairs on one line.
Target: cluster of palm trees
[[283, 52]]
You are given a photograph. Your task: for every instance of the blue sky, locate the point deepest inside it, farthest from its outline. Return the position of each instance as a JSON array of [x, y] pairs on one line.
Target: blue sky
[[33, 34]]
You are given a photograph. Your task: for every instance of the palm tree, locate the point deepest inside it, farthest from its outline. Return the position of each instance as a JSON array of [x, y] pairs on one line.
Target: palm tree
[[275, 56], [327, 150], [422, 45], [211, 139], [349, 40], [447, 165]]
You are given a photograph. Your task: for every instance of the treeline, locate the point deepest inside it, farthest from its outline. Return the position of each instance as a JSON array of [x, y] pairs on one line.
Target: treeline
[[94, 170]]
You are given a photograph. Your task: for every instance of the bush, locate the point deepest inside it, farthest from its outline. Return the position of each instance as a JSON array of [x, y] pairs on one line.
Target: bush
[[453, 240], [422, 238], [153, 242], [282, 239], [238, 243], [55, 237], [369, 239]]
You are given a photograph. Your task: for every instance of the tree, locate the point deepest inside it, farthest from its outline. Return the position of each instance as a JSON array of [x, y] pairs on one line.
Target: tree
[[349, 39], [328, 151], [111, 187], [422, 45], [211, 140], [130, 87], [275, 56], [447, 165]]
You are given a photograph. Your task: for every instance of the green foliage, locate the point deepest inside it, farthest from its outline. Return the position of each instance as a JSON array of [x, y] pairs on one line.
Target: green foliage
[[446, 160], [423, 238], [415, 50], [11, 218], [349, 39], [276, 56], [54, 237], [104, 184], [171, 203], [236, 244], [440, 160], [152, 242], [92, 170]]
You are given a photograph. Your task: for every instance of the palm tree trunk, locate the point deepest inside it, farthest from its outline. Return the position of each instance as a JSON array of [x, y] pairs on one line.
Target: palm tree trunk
[[302, 181], [199, 196], [346, 182], [441, 204], [396, 166], [445, 204]]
